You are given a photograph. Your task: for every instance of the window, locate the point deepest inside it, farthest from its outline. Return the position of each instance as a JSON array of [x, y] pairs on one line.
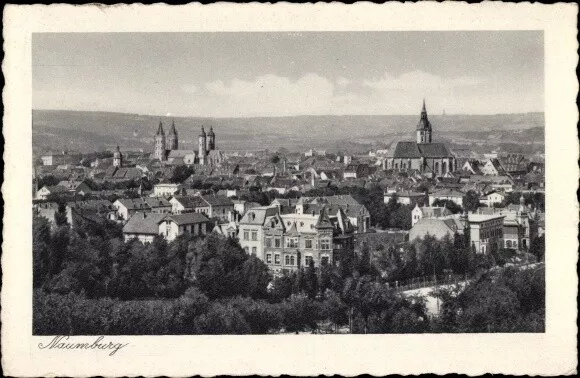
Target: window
[[246, 249], [277, 243], [268, 242], [325, 244], [324, 261], [277, 259], [254, 235], [291, 260], [269, 258], [508, 244], [308, 243], [246, 235], [291, 242], [308, 260], [287, 260]]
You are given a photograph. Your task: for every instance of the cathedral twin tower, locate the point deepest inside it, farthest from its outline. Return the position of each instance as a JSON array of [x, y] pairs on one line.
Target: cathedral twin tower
[[164, 145]]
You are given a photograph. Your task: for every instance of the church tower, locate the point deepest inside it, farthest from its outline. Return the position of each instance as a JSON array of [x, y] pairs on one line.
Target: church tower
[[424, 130], [172, 139], [159, 152], [202, 147], [210, 140], [117, 158]]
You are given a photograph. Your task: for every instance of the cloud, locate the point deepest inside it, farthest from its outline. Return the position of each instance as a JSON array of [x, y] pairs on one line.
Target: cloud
[[274, 95], [189, 88], [314, 94], [342, 81], [419, 80]]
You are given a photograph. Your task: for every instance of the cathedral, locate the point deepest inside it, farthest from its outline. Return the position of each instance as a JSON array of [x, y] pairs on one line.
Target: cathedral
[[423, 155], [166, 148]]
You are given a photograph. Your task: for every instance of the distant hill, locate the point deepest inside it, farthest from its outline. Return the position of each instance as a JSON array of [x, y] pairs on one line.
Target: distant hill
[[89, 131]]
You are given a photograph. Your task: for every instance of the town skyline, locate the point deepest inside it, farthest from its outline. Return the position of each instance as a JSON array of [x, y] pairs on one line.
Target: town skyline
[[289, 74]]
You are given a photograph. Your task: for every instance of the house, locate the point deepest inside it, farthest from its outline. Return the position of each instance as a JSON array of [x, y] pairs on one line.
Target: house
[[439, 228], [210, 205], [492, 198], [486, 232], [166, 189], [492, 167], [75, 186], [143, 226], [419, 213], [251, 231], [356, 212], [158, 204], [44, 192], [171, 226], [227, 229], [116, 173], [471, 166], [126, 207], [406, 197], [514, 164], [447, 195], [521, 224]]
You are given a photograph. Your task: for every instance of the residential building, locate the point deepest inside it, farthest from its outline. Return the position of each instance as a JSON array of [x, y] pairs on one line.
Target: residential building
[[419, 213], [406, 197], [166, 189], [486, 232], [143, 226], [126, 207], [177, 224], [447, 195], [44, 192], [76, 186], [491, 199], [251, 229]]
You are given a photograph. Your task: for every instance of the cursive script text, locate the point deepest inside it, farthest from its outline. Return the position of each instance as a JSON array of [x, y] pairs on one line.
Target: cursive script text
[[61, 342]]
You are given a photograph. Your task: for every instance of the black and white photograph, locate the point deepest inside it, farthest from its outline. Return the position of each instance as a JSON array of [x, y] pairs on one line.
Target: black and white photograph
[[290, 189], [271, 183]]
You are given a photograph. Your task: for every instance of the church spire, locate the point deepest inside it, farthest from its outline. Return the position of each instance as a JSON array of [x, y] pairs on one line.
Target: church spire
[[160, 129], [424, 131], [173, 131]]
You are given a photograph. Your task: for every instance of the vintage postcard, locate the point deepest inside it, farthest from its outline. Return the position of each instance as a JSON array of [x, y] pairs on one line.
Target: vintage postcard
[[290, 189]]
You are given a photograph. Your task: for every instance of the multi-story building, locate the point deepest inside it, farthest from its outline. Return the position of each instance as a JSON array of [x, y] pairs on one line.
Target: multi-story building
[[486, 232], [251, 229], [287, 242], [213, 206]]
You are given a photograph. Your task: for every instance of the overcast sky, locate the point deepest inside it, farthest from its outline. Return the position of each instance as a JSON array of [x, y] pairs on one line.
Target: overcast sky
[[281, 74]]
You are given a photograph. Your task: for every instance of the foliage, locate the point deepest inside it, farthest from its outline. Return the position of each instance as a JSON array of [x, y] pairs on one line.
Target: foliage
[[180, 174], [450, 205], [471, 201], [508, 300]]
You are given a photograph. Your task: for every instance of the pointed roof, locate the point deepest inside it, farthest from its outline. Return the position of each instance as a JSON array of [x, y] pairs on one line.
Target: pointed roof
[[160, 129], [323, 220], [173, 131], [202, 132], [293, 230], [424, 123], [211, 131]]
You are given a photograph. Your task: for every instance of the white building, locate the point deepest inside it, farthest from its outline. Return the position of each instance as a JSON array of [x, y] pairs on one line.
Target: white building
[[491, 199], [165, 189]]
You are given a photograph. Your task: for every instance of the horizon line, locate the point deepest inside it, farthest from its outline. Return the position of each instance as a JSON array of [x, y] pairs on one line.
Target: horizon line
[[283, 116]]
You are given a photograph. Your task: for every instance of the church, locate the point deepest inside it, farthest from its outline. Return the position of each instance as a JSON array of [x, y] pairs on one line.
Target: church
[[166, 148], [422, 156]]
